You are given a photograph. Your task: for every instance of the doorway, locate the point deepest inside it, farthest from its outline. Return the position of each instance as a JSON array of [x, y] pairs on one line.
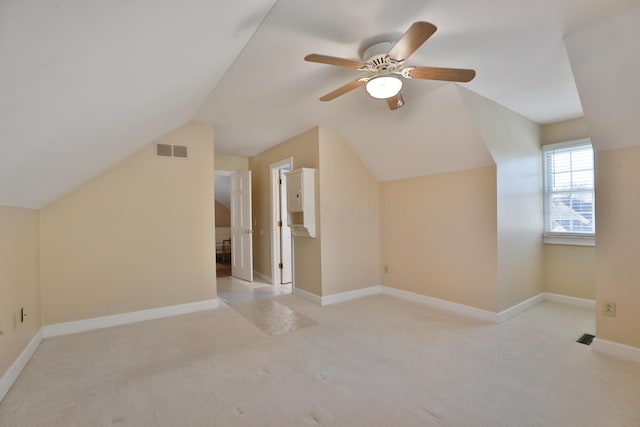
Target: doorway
[[222, 190], [282, 241], [234, 238]]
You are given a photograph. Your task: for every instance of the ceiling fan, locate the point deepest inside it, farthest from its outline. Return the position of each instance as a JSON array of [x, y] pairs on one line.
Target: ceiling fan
[[384, 61]]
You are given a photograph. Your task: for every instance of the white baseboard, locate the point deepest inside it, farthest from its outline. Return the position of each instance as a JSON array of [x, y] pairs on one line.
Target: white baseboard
[[564, 299], [262, 277], [520, 308], [621, 351], [490, 316], [9, 377], [126, 318], [307, 295], [441, 304], [349, 295]]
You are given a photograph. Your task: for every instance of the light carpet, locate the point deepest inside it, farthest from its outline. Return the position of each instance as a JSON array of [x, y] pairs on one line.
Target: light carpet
[[376, 361]]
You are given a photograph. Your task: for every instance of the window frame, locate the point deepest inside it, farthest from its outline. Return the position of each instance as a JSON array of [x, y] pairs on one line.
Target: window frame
[[566, 238]]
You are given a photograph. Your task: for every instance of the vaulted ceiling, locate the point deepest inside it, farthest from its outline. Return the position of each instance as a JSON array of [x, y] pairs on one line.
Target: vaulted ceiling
[[85, 83]]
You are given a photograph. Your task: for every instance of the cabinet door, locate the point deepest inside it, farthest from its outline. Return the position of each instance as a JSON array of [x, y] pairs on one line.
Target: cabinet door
[[294, 192]]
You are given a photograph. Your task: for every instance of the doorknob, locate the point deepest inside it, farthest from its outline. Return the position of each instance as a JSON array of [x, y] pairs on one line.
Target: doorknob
[[248, 231]]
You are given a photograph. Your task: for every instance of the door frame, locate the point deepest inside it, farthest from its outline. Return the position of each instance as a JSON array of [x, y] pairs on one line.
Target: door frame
[[274, 169]]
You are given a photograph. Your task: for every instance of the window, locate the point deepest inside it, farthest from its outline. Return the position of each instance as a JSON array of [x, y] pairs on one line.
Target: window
[[569, 198]]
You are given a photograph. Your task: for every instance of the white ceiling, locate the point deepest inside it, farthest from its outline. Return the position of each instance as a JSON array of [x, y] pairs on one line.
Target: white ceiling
[[85, 83], [609, 80]]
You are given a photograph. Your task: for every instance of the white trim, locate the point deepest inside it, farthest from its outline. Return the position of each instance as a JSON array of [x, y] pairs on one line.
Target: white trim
[[274, 197], [567, 144], [10, 377], [126, 318], [550, 239], [349, 295], [555, 237], [306, 295], [441, 304], [564, 299], [621, 351], [262, 277], [520, 308]]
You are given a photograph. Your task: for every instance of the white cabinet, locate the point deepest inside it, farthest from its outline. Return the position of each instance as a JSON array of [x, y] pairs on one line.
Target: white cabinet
[[295, 194], [301, 209]]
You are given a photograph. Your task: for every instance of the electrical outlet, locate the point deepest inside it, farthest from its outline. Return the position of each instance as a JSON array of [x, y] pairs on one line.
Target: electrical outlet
[[15, 321], [609, 308]]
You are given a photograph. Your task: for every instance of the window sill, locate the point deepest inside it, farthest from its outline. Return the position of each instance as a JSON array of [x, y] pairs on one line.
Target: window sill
[[570, 240]]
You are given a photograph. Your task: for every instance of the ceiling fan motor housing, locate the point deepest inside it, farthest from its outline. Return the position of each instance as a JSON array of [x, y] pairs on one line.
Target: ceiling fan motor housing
[[377, 59]]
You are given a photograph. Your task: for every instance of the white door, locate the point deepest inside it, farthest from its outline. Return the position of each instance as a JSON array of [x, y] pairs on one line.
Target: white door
[[241, 231], [285, 234]]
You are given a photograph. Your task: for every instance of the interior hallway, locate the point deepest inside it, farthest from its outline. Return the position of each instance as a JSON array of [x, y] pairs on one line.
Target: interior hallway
[[372, 361]]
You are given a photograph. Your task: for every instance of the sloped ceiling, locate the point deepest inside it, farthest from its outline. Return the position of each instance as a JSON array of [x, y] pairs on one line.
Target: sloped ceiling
[[608, 81], [516, 47], [434, 133], [223, 189], [85, 83]]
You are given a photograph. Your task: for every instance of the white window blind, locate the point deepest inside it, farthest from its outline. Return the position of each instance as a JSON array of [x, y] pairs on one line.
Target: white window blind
[[569, 198]]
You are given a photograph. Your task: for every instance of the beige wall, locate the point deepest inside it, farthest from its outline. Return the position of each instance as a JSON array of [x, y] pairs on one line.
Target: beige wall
[[345, 254], [304, 150], [19, 281], [439, 236], [350, 216], [138, 236], [223, 215], [568, 270], [231, 163], [567, 130], [618, 244], [520, 256], [514, 143]]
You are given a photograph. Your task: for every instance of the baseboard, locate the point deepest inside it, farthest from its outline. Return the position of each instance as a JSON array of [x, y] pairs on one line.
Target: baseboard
[[489, 316], [621, 351], [262, 277], [349, 295], [520, 308], [10, 377], [307, 295], [441, 304], [564, 299], [126, 318]]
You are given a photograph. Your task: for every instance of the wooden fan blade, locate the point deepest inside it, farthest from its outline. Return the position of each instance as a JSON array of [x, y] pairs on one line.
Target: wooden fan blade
[[417, 34], [448, 74], [343, 89], [395, 102], [332, 60]]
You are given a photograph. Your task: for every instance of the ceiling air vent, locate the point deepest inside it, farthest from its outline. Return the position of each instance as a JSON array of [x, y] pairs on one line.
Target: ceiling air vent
[[163, 150], [168, 150], [180, 151]]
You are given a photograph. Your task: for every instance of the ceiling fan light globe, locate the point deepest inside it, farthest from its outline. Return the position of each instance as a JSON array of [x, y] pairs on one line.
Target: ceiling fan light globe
[[384, 87]]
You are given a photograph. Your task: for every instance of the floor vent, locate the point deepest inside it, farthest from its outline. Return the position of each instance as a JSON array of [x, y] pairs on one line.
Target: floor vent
[[586, 339]]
